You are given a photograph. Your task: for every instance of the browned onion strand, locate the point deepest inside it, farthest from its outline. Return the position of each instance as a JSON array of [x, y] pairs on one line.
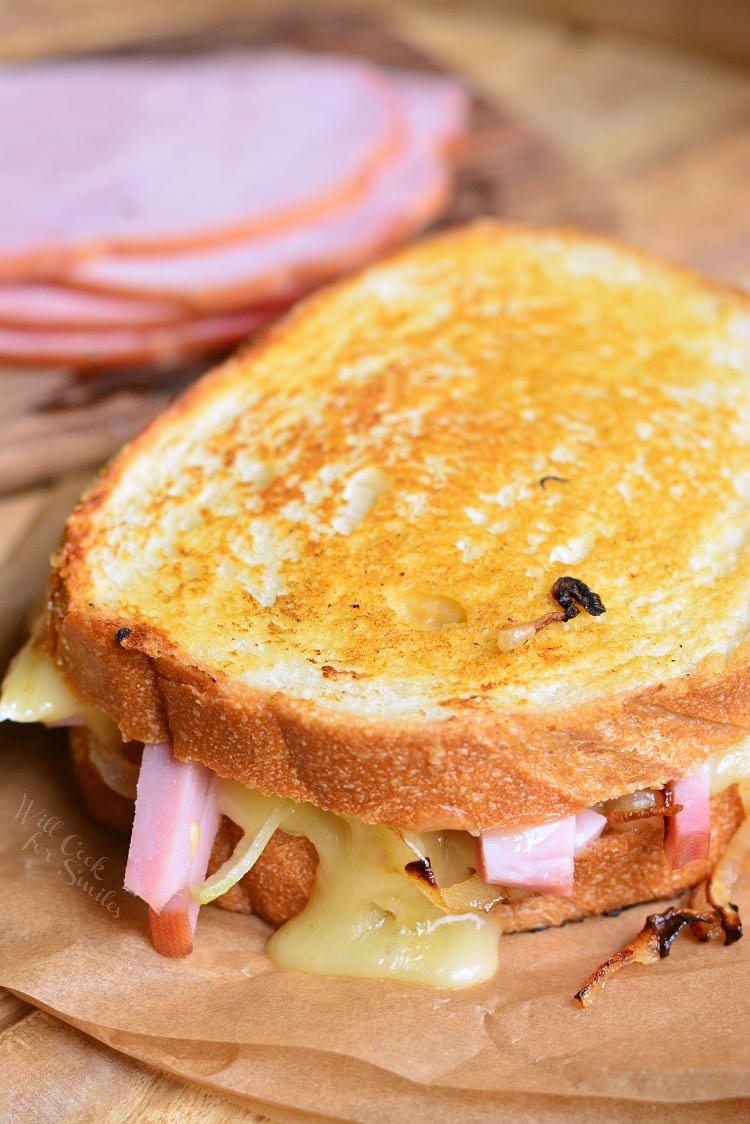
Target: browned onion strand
[[655, 941], [708, 913], [729, 917], [420, 868], [639, 806], [467, 896], [730, 864], [708, 927]]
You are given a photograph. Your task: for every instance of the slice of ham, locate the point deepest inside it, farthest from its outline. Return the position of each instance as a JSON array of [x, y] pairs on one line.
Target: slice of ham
[[175, 824], [535, 858], [405, 195], [40, 306], [687, 835], [86, 348], [155, 154], [589, 826], [538, 858], [436, 108]]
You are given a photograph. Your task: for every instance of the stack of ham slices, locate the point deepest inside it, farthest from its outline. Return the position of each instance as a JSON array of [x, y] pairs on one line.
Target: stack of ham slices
[[152, 209]]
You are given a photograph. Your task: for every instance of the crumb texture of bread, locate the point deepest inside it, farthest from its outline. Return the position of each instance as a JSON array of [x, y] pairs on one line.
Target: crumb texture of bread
[[315, 549]]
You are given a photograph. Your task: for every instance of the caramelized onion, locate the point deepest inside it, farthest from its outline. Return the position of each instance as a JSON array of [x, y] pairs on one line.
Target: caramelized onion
[[724, 919], [639, 806], [463, 897], [652, 943], [708, 913], [730, 865]]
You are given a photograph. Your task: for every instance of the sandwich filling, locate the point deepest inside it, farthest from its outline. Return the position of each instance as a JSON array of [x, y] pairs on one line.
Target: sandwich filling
[[385, 902]]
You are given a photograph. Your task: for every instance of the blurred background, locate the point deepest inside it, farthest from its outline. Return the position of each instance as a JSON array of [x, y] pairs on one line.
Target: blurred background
[[649, 99]]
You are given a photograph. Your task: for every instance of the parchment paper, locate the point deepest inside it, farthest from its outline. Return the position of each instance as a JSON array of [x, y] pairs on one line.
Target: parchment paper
[[72, 941]]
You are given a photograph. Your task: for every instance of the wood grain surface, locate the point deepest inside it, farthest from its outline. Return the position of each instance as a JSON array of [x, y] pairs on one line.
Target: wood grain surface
[[720, 26], [663, 132], [577, 125]]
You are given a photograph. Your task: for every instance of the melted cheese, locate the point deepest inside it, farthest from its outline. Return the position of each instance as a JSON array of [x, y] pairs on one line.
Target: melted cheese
[[365, 917], [35, 691], [731, 767]]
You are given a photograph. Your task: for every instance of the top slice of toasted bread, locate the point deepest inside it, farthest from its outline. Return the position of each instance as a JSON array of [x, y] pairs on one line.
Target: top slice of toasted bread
[[300, 571]]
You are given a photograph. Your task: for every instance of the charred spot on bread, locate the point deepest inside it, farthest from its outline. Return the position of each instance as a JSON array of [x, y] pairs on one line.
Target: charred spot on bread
[[328, 671], [572, 595]]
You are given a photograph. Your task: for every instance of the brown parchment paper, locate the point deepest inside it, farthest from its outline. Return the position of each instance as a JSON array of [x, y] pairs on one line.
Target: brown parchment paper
[[72, 941]]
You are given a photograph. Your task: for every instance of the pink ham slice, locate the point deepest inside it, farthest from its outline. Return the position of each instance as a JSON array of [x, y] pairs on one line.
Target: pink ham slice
[[116, 347], [589, 826], [405, 195], [43, 307], [175, 824], [155, 154], [687, 835], [538, 858], [436, 108]]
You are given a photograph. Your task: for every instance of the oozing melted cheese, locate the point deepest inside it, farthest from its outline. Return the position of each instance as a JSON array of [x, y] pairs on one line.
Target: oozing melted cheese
[[365, 917], [731, 767], [35, 691]]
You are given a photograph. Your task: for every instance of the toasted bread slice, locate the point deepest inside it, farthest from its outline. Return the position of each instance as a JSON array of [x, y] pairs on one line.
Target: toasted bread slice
[[315, 572]]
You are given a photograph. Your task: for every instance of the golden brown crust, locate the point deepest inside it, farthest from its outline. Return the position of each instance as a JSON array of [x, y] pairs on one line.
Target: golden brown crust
[[474, 771], [619, 869], [482, 766]]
